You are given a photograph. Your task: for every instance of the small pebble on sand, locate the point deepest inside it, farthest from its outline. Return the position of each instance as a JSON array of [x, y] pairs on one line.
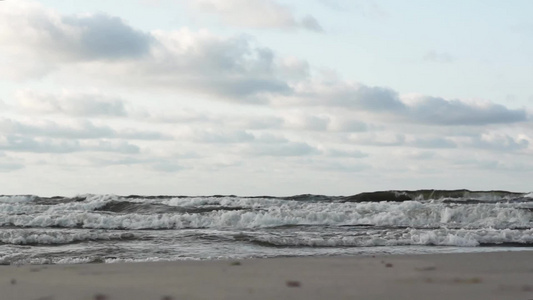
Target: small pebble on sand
[[293, 283]]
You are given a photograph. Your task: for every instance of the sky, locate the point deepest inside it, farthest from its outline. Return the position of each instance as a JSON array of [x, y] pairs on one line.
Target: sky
[[264, 97]]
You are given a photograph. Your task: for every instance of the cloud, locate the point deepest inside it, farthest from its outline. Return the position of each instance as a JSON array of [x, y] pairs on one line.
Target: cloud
[[173, 117], [392, 107], [324, 122], [287, 148], [256, 14], [438, 57], [310, 23], [75, 130], [167, 167], [365, 8], [498, 142], [382, 139], [257, 123], [306, 122], [346, 153], [35, 40], [347, 167], [347, 125], [438, 111], [345, 94], [433, 142], [8, 164], [220, 136], [84, 130], [98, 36], [493, 164], [111, 146], [71, 103], [232, 68], [17, 143], [8, 167], [418, 155]]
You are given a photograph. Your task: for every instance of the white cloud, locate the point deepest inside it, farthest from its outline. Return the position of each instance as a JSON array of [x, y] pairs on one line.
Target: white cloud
[[75, 130], [288, 148], [8, 164], [68, 38], [166, 166], [388, 139], [48, 41], [367, 8], [233, 69], [160, 103], [18, 143], [38, 40], [392, 107], [230, 68], [220, 136], [438, 57], [71, 103], [344, 124], [499, 142], [41, 41], [350, 95], [348, 167], [351, 153], [438, 111], [256, 14], [433, 142], [7, 167], [306, 122]]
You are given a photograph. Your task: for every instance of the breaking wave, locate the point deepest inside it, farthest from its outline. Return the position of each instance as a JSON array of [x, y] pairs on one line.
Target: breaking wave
[[111, 228]]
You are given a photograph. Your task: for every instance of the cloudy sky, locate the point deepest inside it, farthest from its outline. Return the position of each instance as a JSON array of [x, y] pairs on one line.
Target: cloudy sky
[[255, 97]]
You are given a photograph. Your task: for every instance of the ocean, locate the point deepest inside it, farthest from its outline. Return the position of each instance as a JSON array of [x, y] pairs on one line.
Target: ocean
[[110, 228]]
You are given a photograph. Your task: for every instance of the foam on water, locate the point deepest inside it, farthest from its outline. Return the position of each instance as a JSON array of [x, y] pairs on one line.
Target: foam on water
[[54, 237], [257, 214], [16, 199], [110, 228]]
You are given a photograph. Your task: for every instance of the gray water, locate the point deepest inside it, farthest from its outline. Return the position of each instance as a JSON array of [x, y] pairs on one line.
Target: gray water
[[111, 228]]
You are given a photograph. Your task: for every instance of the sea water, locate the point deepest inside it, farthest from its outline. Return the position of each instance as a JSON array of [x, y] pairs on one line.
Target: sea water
[[111, 228]]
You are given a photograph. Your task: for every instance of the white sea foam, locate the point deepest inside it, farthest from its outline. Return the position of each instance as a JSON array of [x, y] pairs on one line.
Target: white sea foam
[[404, 214], [16, 199], [83, 229], [228, 201], [437, 237], [51, 237]]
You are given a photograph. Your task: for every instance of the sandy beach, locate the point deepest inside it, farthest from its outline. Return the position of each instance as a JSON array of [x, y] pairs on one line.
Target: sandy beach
[[499, 275]]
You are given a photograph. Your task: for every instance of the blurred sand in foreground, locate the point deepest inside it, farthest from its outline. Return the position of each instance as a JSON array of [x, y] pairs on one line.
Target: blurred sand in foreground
[[499, 275]]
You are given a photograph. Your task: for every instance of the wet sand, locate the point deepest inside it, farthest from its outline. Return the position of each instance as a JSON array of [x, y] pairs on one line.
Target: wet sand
[[499, 275]]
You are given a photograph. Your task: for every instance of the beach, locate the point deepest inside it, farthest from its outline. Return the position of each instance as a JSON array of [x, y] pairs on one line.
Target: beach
[[496, 275]]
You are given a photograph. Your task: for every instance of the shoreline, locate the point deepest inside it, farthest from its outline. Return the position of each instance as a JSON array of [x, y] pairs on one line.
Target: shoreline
[[486, 275]]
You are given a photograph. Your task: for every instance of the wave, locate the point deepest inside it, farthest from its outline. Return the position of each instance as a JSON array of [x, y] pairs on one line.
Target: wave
[[158, 208], [409, 237], [92, 228], [378, 196], [265, 214], [56, 237]]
